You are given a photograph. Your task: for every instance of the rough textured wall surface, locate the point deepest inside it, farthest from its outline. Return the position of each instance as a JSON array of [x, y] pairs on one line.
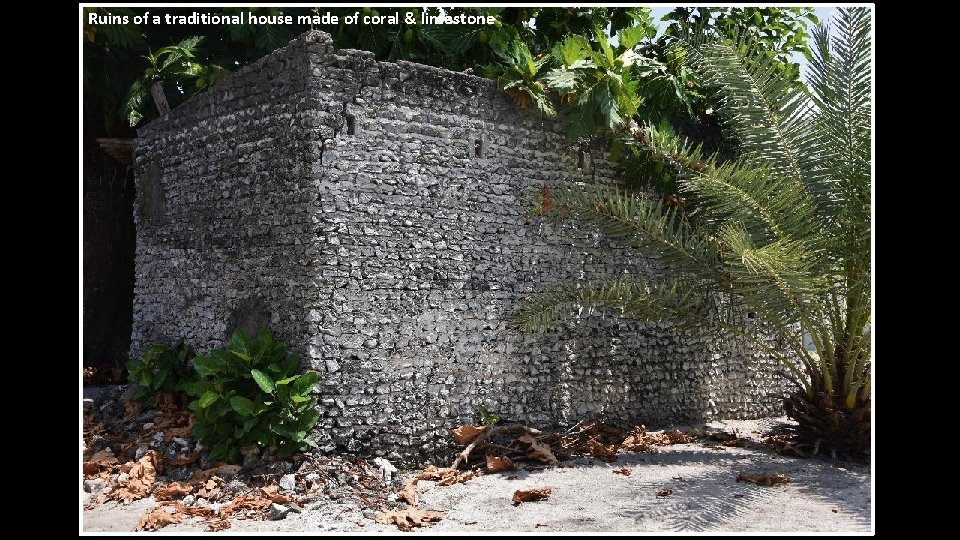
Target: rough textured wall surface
[[377, 217]]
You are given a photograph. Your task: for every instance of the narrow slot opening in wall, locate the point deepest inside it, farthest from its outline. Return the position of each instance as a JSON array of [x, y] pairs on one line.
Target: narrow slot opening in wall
[[478, 146], [581, 159], [351, 124]]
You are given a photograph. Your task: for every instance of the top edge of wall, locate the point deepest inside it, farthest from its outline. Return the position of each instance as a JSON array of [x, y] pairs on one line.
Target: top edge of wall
[[307, 43]]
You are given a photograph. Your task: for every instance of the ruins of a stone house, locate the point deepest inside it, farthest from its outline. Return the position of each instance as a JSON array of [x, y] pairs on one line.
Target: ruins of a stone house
[[377, 216]]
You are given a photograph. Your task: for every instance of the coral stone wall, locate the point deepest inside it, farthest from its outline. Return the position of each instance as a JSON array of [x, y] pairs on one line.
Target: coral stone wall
[[377, 217]]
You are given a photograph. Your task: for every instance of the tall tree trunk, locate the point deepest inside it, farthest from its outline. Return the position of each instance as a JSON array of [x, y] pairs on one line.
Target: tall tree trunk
[[159, 98]]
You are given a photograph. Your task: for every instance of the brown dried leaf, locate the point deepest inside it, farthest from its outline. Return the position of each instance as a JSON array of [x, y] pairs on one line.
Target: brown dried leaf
[[410, 493], [446, 476], [103, 460], [204, 475], [165, 402], [601, 451], [176, 431], [142, 474], [624, 471], [519, 97], [464, 435], [157, 519], [196, 511], [131, 409], [408, 518], [171, 491], [640, 440], [538, 450], [546, 202], [104, 456], [726, 438], [432, 472], [665, 493], [272, 492], [218, 525], [531, 495], [242, 502], [210, 489], [764, 479], [458, 478], [186, 459], [497, 464], [782, 446], [678, 437]]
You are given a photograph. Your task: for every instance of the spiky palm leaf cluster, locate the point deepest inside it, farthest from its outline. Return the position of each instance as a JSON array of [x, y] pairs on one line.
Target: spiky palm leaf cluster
[[782, 232]]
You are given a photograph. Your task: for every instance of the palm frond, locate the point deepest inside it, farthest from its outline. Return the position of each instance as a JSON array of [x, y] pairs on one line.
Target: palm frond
[[640, 222], [775, 279], [678, 302], [771, 207], [840, 80], [764, 110]]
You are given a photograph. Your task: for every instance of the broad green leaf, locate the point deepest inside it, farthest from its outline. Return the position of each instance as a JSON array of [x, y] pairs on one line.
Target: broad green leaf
[[571, 49], [281, 429], [563, 81], [275, 368], [290, 363], [162, 375], [240, 345], [632, 36], [306, 382], [288, 380], [220, 451], [244, 428], [207, 399], [307, 420], [263, 380], [242, 405], [201, 430], [608, 55], [206, 365]]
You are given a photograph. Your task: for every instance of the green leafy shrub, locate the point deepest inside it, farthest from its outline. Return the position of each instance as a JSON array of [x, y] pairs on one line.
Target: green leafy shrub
[[251, 393], [162, 368]]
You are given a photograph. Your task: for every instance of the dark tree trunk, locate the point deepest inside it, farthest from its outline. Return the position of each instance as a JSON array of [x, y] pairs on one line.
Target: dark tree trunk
[[159, 98]]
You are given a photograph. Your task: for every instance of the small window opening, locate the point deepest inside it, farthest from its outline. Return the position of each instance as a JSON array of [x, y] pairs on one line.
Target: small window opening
[[582, 159], [351, 124], [478, 147]]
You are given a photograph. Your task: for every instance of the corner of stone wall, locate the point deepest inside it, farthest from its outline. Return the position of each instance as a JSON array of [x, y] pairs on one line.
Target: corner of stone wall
[[378, 214], [209, 259]]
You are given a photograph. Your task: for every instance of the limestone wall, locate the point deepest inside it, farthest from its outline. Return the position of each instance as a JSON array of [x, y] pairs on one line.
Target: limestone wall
[[377, 217]]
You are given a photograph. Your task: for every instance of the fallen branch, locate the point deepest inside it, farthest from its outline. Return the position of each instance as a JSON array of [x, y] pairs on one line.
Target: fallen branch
[[483, 437]]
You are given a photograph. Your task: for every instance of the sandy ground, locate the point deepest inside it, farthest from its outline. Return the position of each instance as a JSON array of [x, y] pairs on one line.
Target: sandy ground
[[823, 495]]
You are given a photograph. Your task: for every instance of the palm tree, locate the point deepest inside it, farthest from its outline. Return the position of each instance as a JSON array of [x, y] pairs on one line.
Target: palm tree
[[774, 244]]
